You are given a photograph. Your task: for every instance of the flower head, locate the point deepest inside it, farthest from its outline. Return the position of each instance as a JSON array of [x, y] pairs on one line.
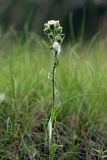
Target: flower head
[[54, 31]]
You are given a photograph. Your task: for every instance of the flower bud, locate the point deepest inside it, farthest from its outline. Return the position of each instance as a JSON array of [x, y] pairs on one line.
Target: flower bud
[[56, 48], [58, 39], [57, 24], [47, 30], [50, 36], [46, 25], [59, 30]]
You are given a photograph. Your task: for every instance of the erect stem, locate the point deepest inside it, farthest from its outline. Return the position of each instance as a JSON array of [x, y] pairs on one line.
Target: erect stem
[[53, 87], [53, 82], [51, 122]]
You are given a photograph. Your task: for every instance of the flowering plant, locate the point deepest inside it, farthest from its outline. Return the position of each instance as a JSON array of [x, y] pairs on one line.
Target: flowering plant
[[54, 32]]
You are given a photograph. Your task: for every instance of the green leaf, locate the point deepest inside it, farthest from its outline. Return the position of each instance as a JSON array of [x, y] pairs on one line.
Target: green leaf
[[55, 111], [52, 150]]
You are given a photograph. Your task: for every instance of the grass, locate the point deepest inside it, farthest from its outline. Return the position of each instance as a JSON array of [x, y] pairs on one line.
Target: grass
[[82, 81]]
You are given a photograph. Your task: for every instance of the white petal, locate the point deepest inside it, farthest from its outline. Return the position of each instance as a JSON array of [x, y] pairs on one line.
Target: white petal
[[51, 22]]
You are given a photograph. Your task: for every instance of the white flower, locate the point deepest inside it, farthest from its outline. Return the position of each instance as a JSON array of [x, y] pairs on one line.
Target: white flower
[[56, 48], [53, 22], [2, 97]]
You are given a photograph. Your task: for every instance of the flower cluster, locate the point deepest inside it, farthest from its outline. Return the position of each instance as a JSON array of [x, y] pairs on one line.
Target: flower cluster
[[54, 31]]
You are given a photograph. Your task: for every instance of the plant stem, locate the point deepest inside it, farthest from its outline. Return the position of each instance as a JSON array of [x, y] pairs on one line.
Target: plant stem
[[53, 104], [53, 82], [53, 86], [53, 92]]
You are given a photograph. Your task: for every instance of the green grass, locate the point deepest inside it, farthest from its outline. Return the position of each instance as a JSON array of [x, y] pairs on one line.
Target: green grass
[[82, 83]]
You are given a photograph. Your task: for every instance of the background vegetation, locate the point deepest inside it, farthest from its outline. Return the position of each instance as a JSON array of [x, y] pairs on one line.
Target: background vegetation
[[27, 15], [25, 88], [81, 124]]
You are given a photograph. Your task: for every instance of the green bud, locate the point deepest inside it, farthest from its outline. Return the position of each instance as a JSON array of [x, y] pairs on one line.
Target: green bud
[[46, 25], [59, 30], [57, 24], [50, 36], [58, 39], [47, 31]]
